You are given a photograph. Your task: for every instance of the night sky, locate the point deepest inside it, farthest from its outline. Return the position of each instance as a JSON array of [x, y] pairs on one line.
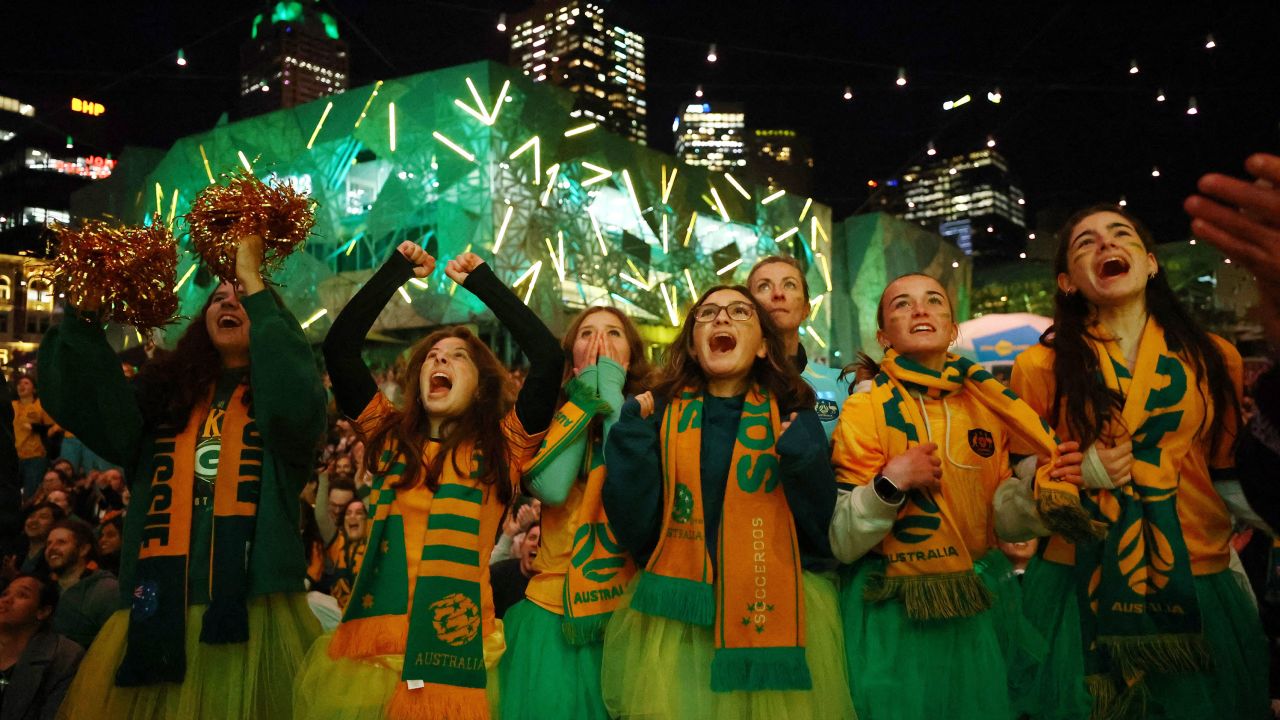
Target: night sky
[[1074, 124]]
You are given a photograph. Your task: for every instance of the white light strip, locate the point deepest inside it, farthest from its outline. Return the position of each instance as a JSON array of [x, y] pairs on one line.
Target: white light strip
[[554, 172], [638, 283], [729, 267], [604, 249], [814, 334], [773, 197], [688, 278], [737, 186], [319, 125], [502, 229], [580, 129], [453, 146], [314, 317], [724, 214], [805, 210], [786, 235]]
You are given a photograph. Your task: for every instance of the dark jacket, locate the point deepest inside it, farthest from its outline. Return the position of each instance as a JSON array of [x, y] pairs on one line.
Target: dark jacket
[[83, 386], [41, 677], [84, 607]]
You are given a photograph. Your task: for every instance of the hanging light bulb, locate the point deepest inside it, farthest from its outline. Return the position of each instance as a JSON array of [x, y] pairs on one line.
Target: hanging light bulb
[[932, 150], [1123, 202], [697, 91], [70, 144], [1155, 172], [1209, 44], [182, 58], [1133, 67], [848, 92], [1192, 109], [1160, 95], [991, 141], [711, 54], [902, 77], [502, 22], [995, 96]]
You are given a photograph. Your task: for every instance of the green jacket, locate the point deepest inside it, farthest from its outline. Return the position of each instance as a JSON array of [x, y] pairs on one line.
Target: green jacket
[[83, 386], [84, 607]]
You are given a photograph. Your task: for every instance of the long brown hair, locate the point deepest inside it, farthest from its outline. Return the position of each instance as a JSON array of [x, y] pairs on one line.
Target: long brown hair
[[172, 383], [1078, 387], [774, 371], [639, 369], [407, 430]]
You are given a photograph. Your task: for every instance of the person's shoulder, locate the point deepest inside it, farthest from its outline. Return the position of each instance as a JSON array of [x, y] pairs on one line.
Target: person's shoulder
[[1038, 355], [1230, 352]]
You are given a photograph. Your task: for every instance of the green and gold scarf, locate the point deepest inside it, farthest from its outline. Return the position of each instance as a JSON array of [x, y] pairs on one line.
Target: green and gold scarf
[[441, 636], [754, 597], [157, 620], [599, 568], [1138, 606], [929, 567]]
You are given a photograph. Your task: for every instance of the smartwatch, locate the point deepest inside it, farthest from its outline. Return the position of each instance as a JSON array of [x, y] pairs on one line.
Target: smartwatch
[[887, 491]]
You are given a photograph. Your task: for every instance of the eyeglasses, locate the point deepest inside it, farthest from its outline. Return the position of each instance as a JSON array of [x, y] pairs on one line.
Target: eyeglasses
[[737, 311]]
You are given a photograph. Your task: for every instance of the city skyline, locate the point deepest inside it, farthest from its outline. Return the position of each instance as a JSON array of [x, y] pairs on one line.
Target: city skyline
[[1077, 125]]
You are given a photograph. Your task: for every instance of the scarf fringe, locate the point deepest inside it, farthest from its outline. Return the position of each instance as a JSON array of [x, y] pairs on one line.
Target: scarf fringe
[[370, 637], [1134, 655], [587, 630], [749, 669], [680, 599], [434, 701], [225, 622], [1063, 514], [1111, 702], [932, 597]]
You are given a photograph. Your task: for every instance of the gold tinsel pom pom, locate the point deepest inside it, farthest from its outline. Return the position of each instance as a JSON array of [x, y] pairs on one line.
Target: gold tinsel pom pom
[[125, 272], [221, 215]]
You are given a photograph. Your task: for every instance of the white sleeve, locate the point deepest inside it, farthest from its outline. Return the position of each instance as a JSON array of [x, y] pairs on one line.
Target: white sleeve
[[860, 522], [1014, 505], [504, 549]]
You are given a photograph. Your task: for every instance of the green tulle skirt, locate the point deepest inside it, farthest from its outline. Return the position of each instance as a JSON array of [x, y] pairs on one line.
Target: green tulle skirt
[[655, 668], [252, 679], [904, 669], [542, 675], [1235, 687]]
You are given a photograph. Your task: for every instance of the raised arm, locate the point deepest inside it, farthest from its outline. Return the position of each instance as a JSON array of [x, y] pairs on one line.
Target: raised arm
[[288, 396], [353, 384], [84, 389], [536, 403]]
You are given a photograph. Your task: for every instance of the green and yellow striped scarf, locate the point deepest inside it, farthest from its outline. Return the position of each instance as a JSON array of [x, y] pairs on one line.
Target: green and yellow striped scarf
[[441, 635]]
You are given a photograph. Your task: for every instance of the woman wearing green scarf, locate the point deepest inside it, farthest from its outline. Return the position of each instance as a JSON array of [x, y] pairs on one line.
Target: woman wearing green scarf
[[1146, 622], [219, 437]]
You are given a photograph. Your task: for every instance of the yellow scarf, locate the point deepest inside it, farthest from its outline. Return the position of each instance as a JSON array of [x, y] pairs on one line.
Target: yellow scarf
[[755, 601], [929, 567]]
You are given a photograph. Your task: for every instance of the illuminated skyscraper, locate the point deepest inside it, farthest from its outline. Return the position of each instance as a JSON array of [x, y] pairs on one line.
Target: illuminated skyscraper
[[712, 135], [293, 56], [572, 43], [780, 157], [973, 200]]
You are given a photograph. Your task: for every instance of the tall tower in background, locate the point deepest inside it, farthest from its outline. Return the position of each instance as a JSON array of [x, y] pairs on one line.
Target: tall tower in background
[[974, 200], [293, 56], [572, 43], [712, 135]]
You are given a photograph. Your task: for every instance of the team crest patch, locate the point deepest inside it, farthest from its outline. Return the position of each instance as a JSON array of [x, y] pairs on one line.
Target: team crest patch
[[981, 442], [827, 410]]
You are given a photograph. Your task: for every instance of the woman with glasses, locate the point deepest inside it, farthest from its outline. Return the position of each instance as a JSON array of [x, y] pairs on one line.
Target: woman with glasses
[[720, 486]]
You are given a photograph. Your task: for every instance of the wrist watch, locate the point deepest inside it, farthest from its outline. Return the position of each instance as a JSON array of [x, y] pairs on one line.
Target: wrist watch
[[887, 491]]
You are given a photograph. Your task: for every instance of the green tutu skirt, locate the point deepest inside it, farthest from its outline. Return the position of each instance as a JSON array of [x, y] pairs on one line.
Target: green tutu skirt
[[251, 679], [543, 676], [904, 669], [657, 668], [349, 689], [1235, 687]]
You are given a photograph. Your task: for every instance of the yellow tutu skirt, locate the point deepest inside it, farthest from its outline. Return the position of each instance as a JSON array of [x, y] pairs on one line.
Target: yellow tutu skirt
[[656, 668], [248, 680], [347, 689]]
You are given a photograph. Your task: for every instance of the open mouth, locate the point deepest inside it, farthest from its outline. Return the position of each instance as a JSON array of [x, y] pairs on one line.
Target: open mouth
[[439, 384], [921, 327], [229, 321], [723, 343], [1113, 267]]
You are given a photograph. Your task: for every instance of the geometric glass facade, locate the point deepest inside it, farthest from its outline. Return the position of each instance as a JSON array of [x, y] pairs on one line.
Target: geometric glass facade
[[571, 43], [480, 157]]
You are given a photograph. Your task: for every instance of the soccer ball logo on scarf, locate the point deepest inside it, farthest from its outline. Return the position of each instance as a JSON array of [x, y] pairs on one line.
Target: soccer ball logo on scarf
[[456, 619]]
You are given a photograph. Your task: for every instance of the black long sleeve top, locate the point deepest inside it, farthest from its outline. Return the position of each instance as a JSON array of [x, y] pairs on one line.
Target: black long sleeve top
[[354, 386]]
